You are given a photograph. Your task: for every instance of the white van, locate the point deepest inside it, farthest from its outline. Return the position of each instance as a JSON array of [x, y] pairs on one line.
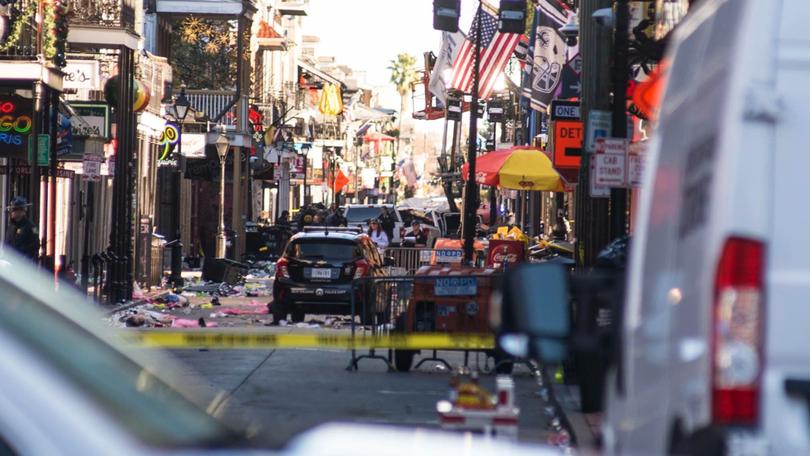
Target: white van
[[716, 331]]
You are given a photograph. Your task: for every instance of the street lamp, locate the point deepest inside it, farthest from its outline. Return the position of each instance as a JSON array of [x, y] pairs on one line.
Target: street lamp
[[223, 145], [181, 106]]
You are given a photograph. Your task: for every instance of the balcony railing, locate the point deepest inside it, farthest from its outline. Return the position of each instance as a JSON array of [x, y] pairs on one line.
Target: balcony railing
[[214, 102], [104, 13], [25, 44]]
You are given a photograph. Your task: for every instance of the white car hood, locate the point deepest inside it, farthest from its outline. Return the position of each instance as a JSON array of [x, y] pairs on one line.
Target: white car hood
[[361, 440]]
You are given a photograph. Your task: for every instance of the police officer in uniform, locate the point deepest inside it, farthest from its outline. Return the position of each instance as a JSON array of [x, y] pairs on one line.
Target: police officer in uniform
[[21, 234]]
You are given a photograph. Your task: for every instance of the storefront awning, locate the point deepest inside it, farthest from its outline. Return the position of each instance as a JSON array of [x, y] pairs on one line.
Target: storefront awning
[[320, 74]]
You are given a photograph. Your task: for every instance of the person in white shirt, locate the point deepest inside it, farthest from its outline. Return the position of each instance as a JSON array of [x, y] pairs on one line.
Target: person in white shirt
[[377, 235]]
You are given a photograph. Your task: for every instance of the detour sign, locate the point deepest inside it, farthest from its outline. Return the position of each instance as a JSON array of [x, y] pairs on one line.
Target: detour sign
[[568, 136]]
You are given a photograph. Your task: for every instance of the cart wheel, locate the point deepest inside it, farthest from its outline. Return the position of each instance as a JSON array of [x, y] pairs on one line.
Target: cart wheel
[[504, 363], [403, 359]]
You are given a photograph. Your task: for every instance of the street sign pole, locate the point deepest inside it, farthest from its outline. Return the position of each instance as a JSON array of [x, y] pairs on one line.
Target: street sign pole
[[618, 196], [471, 191]]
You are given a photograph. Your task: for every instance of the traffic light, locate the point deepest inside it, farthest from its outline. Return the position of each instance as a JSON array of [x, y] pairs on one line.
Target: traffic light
[[512, 16], [446, 14], [455, 104]]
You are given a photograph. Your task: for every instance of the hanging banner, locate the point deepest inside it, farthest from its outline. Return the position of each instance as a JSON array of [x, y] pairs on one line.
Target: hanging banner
[[16, 124]]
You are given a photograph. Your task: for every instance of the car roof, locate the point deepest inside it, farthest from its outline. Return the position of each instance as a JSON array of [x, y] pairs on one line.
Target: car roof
[[342, 235]]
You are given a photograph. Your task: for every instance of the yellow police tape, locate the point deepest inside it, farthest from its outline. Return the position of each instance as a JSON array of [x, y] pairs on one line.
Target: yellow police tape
[[263, 340]]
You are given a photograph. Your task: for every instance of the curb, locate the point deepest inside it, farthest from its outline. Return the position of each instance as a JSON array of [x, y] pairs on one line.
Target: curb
[[569, 405], [125, 307]]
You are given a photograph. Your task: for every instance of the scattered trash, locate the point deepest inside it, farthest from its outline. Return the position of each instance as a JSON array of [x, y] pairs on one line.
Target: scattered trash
[[135, 321], [207, 306], [255, 311]]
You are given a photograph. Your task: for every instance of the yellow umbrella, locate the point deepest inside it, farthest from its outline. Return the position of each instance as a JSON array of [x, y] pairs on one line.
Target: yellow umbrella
[[518, 168]]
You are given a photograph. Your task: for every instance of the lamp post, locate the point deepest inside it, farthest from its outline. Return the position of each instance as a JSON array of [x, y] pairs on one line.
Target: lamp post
[[471, 189], [305, 153], [181, 105], [222, 150]]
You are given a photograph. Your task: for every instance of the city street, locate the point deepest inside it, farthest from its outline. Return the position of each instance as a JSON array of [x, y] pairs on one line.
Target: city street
[[602, 192], [280, 393]]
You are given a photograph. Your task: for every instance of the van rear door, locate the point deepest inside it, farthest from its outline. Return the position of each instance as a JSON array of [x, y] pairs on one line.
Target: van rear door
[[787, 355]]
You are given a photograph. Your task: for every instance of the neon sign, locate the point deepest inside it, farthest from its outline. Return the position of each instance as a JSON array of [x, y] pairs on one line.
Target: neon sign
[[169, 138], [16, 124]]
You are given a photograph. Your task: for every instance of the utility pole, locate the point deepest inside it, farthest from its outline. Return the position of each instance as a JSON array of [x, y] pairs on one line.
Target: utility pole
[[471, 190], [592, 213], [618, 196]]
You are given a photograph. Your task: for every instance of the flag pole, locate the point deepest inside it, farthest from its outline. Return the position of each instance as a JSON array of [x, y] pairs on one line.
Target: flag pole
[[471, 190]]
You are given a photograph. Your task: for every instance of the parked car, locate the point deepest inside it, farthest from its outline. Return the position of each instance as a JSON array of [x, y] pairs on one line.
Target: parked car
[[315, 273], [711, 351], [70, 386], [450, 224], [358, 215]]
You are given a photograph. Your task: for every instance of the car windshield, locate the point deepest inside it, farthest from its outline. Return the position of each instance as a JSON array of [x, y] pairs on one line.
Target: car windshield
[[363, 214], [125, 390], [409, 215], [321, 249]]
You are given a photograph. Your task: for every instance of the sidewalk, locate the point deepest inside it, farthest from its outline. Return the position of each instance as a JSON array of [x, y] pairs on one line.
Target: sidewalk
[[586, 427]]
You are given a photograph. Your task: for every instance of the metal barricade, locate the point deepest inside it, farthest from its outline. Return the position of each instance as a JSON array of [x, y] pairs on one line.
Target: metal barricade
[[409, 259], [381, 308], [445, 304], [156, 261]]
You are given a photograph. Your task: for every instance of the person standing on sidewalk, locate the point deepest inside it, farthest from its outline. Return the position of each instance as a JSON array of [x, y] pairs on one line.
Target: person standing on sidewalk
[[22, 235]]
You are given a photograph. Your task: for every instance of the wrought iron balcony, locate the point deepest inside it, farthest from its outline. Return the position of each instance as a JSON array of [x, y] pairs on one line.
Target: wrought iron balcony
[[215, 103], [104, 13], [21, 44]]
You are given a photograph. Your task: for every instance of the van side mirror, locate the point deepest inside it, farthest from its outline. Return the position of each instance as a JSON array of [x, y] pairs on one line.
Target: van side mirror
[[531, 313]]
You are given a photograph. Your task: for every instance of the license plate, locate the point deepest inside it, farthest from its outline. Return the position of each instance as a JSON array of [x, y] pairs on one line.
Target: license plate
[[321, 273], [456, 286]]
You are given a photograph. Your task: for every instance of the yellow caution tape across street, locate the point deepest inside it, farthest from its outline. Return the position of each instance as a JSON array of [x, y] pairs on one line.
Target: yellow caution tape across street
[[262, 340]]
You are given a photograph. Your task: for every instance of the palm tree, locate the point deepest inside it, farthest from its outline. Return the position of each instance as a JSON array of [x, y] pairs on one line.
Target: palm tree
[[403, 75]]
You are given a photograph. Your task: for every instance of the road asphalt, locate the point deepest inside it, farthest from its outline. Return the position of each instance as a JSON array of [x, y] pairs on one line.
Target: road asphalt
[[280, 393]]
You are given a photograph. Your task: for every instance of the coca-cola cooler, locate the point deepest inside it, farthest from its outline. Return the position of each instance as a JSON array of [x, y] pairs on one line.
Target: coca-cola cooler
[[505, 253]]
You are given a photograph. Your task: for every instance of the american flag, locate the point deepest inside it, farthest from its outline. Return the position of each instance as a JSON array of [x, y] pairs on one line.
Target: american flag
[[496, 49]]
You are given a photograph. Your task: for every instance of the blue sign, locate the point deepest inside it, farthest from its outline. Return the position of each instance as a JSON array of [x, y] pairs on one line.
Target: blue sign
[[456, 286], [449, 256]]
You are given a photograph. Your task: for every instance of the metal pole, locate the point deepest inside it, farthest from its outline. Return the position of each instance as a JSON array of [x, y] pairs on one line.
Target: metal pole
[[618, 196], [221, 233], [444, 137], [493, 200], [54, 102], [470, 197], [35, 177], [591, 213], [177, 245], [305, 189]]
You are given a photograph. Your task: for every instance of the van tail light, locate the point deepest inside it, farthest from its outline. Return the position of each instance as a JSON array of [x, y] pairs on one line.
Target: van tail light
[[361, 269], [282, 270], [737, 333]]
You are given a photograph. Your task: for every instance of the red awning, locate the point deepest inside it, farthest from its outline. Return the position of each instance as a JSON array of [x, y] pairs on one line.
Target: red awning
[[375, 136]]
